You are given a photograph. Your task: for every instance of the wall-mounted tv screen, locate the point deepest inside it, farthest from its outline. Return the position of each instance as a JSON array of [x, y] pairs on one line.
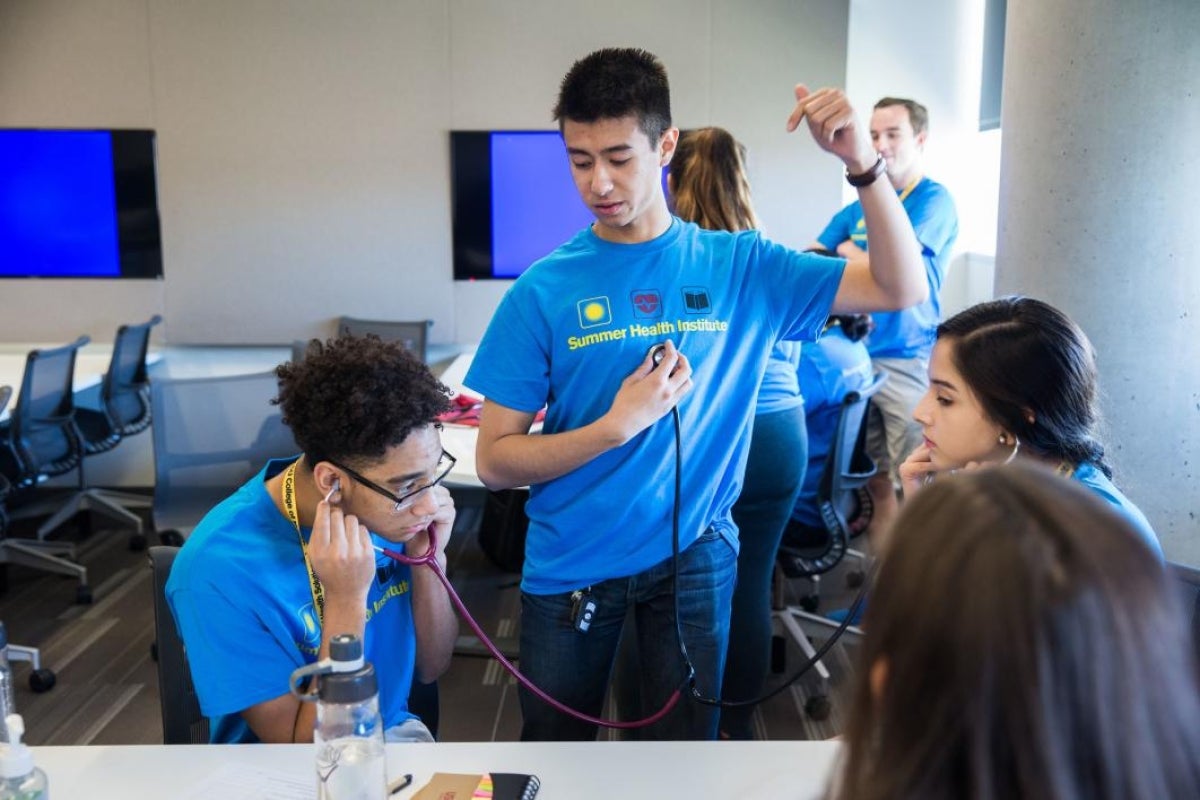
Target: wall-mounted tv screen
[[513, 201], [78, 204]]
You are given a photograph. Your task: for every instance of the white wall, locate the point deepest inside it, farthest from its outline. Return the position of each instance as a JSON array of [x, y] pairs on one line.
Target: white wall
[[932, 52], [303, 148]]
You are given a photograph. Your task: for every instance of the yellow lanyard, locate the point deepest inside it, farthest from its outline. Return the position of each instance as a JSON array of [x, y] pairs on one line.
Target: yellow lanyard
[[862, 221], [289, 505]]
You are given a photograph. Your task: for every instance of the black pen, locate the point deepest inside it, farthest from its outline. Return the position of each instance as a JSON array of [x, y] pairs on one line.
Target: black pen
[[400, 783]]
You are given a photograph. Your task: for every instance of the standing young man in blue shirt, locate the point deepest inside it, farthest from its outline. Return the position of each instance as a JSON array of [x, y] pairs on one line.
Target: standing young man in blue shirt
[[573, 334], [902, 340]]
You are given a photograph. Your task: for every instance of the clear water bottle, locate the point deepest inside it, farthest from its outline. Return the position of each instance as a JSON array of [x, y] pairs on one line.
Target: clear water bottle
[[350, 759], [7, 706], [19, 778]]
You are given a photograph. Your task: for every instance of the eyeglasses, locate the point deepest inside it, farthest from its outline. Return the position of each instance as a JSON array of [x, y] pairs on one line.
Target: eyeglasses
[[445, 464]]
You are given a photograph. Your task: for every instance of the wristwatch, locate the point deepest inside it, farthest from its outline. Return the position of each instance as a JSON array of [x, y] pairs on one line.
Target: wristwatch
[[867, 178]]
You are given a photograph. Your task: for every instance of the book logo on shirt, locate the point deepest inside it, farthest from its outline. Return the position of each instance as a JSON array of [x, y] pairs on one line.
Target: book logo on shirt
[[647, 303], [696, 300], [594, 312]]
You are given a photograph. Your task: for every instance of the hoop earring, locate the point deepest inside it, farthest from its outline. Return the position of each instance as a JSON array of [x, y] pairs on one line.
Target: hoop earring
[[1016, 447]]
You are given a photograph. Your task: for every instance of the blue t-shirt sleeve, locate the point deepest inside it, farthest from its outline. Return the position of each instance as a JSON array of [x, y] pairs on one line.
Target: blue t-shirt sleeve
[[935, 221], [512, 365], [799, 290], [235, 661], [839, 228]]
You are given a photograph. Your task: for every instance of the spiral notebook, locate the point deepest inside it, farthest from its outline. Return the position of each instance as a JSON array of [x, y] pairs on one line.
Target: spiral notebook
[[488, 786]]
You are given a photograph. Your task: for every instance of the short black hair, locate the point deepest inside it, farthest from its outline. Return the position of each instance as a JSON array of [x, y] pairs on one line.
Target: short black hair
[[351, 398], [616, 82]]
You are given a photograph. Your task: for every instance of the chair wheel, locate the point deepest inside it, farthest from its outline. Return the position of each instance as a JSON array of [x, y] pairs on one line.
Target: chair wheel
[[42, 680], [810, 603], [855, 578], [137, 543], [171, 538], [818, 707], [83, 595], [778, 654]]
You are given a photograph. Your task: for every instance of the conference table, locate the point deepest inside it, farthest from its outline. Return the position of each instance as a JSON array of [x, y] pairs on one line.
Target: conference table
[[567, 770]]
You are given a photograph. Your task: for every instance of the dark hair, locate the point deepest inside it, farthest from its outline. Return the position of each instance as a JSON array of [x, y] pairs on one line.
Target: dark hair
[[1023, 358], [1033, 648], [616, 82], [351, 398], [918, 114], [708, 181]]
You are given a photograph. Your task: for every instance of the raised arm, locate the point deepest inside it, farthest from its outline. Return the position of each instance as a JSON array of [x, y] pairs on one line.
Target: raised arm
[[894, 277], [508, 455]]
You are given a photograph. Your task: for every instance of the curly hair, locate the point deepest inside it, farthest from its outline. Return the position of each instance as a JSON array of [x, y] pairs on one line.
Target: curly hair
[[351, 398], [616, 82]]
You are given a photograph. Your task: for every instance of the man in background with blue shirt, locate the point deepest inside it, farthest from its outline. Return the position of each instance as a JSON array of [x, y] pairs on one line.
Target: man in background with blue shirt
[[902, 340]]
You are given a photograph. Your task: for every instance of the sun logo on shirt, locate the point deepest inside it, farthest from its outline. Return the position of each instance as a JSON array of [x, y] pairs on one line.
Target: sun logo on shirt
[[310, 623], [594, 312]]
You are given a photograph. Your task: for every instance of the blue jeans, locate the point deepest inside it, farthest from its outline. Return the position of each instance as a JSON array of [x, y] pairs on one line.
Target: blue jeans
[[575, 667], [774, 473]]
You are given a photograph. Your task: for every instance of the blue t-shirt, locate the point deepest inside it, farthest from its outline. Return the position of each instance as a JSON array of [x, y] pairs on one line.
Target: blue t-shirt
[[1093, 478], [908, 333], [240, 594], [579, 321], [780, 389], [830, 368]]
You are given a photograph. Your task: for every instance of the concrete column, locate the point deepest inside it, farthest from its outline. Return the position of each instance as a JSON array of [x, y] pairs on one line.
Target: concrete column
[[1100, 215]]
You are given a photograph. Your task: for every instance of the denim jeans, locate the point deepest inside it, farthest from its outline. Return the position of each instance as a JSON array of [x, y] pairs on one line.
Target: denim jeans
[[575, 667], [774, 473]]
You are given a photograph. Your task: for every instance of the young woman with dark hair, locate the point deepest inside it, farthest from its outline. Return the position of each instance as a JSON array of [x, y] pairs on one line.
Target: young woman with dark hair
[[1012, 379], [1022, 642]]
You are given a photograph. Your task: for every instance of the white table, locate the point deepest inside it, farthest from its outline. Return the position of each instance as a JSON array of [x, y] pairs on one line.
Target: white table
[[568, 770], [460, 440]]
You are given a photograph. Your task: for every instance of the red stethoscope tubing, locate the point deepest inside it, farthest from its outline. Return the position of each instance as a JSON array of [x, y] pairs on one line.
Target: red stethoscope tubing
[[429, 559]]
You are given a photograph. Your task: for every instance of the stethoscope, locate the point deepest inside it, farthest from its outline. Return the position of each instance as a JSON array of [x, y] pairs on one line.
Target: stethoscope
[[429, 559]]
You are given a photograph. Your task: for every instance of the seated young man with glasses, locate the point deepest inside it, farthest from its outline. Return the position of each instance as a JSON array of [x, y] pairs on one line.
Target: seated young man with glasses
[[288, 561]]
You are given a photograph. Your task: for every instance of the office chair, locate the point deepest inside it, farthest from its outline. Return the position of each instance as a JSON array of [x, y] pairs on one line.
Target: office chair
[[182, 721], [299, 350], [412, 334], [40, 680], [211, 435], [125, 410], [809, 553], [41, 441]]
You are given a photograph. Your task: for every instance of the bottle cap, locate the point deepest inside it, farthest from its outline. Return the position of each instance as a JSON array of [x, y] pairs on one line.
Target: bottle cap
[[345, 647], [16, 759], [348, 687]]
